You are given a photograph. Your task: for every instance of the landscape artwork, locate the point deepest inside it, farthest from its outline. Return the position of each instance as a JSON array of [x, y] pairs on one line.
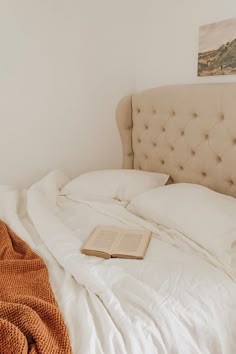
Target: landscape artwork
[[217, 48]]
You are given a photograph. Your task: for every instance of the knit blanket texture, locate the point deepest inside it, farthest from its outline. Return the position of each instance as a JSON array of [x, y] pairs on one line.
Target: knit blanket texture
[[30, 320]]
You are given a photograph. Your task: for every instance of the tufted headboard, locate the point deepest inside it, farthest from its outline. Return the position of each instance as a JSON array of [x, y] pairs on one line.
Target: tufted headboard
[[187, 131]]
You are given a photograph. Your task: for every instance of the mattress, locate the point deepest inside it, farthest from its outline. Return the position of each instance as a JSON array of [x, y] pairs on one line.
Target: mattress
[[177, 300]]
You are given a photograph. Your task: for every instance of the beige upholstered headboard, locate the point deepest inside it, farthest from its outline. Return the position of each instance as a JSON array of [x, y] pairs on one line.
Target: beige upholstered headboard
[[187, 131]]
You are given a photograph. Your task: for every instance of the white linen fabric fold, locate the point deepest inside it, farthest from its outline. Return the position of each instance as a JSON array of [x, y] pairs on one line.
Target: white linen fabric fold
[[178, 300]]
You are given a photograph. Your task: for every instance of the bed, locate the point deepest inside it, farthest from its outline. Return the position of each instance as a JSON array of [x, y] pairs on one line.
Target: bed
[[182, 297]]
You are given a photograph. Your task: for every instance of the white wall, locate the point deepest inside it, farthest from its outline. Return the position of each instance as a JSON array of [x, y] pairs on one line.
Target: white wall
[[168, 40], [64, 64]]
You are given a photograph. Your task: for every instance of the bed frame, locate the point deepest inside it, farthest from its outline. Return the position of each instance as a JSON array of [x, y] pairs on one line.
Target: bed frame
[[187, 131]]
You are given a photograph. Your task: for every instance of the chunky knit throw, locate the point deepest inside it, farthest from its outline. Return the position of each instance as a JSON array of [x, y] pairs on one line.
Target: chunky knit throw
[[30, 320]]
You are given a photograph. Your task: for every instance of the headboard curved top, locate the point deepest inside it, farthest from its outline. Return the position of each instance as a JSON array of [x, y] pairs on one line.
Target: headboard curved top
[[187, 131]]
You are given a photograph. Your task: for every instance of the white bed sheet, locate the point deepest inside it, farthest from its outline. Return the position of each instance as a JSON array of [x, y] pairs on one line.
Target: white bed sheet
[[179, 299]]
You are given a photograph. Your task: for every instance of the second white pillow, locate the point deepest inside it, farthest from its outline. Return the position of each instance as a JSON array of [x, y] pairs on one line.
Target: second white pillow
[[206, 217]]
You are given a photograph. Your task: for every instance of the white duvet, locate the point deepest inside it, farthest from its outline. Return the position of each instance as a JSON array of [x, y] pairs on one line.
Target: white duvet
[[176, 300]]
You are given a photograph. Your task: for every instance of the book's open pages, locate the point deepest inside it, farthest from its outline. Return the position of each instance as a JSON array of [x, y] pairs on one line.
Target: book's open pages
[[109, 242]]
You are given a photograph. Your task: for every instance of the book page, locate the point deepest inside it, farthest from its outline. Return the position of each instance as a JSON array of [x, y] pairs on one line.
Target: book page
[[133, 243], [102, 240]]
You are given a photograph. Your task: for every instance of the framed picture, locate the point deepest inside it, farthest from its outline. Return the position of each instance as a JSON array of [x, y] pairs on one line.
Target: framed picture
[[217, 48]]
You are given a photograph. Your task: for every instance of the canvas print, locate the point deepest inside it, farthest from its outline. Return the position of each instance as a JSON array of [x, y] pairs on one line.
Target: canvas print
[[217, 48]]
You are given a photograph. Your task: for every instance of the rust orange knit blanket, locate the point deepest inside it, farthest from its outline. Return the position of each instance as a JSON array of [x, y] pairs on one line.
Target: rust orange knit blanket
[[30, 320]]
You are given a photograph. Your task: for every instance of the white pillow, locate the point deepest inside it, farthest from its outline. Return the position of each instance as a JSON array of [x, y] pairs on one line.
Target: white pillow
[[118, 184], [207, 217]]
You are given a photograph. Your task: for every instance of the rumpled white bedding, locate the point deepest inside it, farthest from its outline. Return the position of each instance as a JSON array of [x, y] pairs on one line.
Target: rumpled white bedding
[[179, 299]]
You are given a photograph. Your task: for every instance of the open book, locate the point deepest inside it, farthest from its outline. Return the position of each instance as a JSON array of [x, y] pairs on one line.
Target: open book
[[108, 241]]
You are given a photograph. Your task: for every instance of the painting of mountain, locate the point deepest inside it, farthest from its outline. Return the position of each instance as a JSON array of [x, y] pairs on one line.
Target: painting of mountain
[[217, 48]]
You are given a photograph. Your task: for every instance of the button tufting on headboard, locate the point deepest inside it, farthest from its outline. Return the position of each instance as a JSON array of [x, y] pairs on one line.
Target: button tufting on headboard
[[222, 116], [188, 131]]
